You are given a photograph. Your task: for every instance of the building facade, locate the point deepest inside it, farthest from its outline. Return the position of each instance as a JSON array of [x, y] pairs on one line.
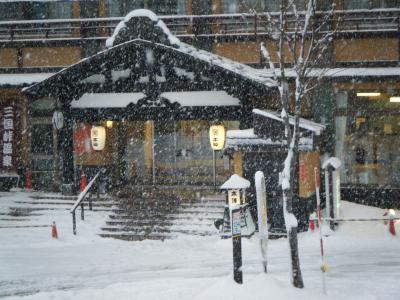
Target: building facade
[[358, 102]]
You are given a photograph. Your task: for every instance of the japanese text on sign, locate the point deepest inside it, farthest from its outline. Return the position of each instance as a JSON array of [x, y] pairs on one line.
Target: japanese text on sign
[[8, 137]]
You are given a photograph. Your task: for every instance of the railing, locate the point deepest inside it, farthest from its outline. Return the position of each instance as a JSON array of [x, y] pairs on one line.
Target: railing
[[81, 198], [377, 20]]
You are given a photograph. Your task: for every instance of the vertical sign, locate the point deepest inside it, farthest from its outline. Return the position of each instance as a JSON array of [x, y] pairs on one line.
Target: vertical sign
[[234, 197], [262, 215], [336, 192], [82, 142], [236, 219], [8, 147], [307, 162]]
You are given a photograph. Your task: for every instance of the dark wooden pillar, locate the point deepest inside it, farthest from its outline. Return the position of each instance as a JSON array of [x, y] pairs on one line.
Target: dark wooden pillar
[[122, 137], [67, 152]]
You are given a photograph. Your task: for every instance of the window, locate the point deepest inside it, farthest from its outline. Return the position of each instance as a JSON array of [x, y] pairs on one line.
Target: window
[[24, 10], [368, 138], [249, 6], [120, 8], [369, 4]]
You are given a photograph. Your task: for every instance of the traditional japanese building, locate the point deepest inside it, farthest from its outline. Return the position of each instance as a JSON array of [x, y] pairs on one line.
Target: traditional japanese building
[[156, 97], [358, 101]]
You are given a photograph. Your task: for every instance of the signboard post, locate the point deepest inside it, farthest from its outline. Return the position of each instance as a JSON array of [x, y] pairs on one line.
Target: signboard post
[[332, 188], [8, 139], [236, 187], [236, 225], [217, 142], [262, 215]]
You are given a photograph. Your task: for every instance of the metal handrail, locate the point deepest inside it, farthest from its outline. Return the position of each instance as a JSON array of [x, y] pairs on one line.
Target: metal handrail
[[79, 202], [100, 28]]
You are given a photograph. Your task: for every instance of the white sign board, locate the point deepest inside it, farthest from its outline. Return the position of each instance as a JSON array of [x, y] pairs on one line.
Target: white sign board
[[58, 120], [261, 205], [236, 217], [234, 197]]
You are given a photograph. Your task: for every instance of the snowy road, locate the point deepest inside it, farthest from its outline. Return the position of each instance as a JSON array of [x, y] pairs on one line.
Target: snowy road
[[364, 263]]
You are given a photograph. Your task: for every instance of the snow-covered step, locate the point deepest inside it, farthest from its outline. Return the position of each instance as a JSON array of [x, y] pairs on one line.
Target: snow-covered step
[[39, 210], [131, 236], [70, 203], [171, 217], [46, 207], [167, 214]]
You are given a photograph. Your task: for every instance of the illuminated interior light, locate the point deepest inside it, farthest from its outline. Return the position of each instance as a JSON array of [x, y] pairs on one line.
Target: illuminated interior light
[[368, 94], [109, 124], [395, 99]]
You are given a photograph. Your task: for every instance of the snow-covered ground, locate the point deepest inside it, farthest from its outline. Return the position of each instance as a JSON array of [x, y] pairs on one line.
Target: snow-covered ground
[[363, 259]]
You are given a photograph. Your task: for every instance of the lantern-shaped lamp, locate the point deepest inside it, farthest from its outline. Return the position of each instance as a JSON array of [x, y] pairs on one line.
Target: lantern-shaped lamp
[[236, 187], [98, 137], [217, 137], [109, 124]]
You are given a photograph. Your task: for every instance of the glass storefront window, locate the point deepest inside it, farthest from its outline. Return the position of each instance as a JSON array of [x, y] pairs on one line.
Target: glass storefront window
[[368, 138]]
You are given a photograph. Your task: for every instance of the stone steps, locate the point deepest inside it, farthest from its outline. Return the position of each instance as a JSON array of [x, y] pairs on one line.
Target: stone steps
[[70, 203], [24, 213], [168, 216]]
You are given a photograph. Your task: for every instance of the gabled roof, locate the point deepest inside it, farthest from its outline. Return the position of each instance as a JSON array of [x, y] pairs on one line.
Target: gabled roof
[[142, 43], [214, 66]]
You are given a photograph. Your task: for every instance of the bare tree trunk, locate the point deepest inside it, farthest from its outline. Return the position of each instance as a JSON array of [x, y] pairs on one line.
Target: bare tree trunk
[[287, 190], [306, 41], [288, 171]]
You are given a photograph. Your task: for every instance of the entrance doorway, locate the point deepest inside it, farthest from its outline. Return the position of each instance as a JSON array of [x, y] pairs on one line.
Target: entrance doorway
[[171, 152]]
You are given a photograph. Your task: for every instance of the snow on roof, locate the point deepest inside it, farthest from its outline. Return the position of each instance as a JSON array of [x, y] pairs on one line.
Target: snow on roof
[[303, 123], [106, 100], [235, 182], [237, 139], [201, 98], [332, 161], [20, 79], [209, 57], [225, 63], [142, 13], [241, 134]]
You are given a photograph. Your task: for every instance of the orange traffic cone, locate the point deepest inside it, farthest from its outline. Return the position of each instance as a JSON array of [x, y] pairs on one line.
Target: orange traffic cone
[[392, 229], [311, 222], [54, 233], [83, 183], [28, 180]]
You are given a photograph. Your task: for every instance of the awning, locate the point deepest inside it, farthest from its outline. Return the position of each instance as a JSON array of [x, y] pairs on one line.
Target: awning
[[22, 79], [107, 100], [190, 99], [201, 98], [247, 140], [303, 123]]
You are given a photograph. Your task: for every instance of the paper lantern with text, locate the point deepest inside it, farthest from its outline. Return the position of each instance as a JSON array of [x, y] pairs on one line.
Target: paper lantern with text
[[217, 137], [98, 136]]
